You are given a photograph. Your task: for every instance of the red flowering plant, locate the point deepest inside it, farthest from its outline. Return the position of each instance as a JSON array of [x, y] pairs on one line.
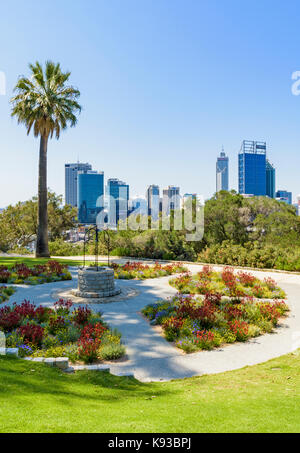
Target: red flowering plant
[[271, 284], [56, 324], [138, 270], [204, 339], [32, 334], [25, 310], [233, 312], [240, 329], [172, 327], [81, 315], [90, 341], [21, 273], [42, 314], [9, 320], [54, 267], [182, 282], [39, 331], [228, 319], [63, 307], [270, 312], [227, 283], [4, 274], [206, 273], [246, 278]]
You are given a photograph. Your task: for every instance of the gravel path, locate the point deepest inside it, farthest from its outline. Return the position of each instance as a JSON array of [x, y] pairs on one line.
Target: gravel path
[[151, 357]]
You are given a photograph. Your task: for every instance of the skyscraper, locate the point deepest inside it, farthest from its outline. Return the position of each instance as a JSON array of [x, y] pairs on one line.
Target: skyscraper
[[90, 196], [252, 168], [171, 200], [222, 172], [71, 180], [284, 195], [152, 196], [270, 179], [118, 197]]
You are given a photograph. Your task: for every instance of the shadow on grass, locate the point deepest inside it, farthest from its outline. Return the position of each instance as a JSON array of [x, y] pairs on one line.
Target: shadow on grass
[[20, 378]]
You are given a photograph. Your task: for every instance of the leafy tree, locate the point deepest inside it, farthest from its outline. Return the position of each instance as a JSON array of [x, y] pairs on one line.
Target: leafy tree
[[226, 218], [47, 105], [18, 224]]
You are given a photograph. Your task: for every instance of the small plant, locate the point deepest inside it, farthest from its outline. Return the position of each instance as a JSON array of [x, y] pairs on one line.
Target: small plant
[[32, 334], [111, 351], [240, 329]]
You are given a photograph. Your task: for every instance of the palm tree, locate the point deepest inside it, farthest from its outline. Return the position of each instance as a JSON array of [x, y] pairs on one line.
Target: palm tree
[[47, 105]]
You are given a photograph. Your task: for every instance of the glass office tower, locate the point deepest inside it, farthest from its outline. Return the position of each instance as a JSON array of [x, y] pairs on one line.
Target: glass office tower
[[171, 200], [252, 168], [270, 180], [153, 199], [90, 196], [284, 195], [222, 172], [71, 181], [118, 199]]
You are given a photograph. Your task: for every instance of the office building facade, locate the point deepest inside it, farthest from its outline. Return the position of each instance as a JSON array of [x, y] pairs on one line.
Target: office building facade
[[153, 199], [270, 180], [118, 199], [90, 196], [222, 173], [252, 168], [71, 181], [284, 195], [171, 200]]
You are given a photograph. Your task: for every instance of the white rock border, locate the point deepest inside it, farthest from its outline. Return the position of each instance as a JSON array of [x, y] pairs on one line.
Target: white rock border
[[62, 363]]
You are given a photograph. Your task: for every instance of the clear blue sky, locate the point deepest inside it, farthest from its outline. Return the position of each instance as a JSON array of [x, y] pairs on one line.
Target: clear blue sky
[[164, 84]]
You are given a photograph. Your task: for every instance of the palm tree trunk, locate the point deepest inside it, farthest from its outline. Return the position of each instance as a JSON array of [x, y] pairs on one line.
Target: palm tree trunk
[[42, 249]]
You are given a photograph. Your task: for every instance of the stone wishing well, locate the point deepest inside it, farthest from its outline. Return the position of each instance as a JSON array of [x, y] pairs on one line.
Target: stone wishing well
[[95, 283]]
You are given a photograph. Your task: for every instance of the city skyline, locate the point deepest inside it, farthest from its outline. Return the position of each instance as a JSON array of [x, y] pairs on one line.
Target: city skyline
[[156, 100]]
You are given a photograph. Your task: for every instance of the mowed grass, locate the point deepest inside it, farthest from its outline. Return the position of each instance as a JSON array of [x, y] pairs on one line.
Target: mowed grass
[[263, 398], [11, 261]]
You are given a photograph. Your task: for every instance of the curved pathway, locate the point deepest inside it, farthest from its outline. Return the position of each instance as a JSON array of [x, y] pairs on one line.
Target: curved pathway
[[151, 357]]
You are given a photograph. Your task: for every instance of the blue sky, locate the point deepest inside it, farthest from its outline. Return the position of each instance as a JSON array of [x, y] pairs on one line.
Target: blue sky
[[164, 83]]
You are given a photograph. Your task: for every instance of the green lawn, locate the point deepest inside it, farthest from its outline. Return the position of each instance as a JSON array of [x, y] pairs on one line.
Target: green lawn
[[263, 398], [11, 261]]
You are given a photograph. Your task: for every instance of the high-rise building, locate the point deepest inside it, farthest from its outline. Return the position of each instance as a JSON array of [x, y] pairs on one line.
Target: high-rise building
[[284, 195], [222, 172], [153, 199], [171, 199], [90, 196], [270, 180], [252, 168], [71, 180], [138, 206], [118, 198]]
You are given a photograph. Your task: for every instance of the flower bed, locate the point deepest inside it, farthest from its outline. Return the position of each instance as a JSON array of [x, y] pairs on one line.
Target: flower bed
[[196, 323], [36, 275], [79, 334], [140, 271], [227, 283], [5, 293]]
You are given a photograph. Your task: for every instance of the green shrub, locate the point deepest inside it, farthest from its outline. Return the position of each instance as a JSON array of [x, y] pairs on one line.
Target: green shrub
[[62, 248], [69, 335], [71, 351], [111, 351]]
